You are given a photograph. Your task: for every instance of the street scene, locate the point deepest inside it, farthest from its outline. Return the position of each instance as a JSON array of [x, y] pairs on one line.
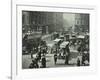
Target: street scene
[[55, 39]]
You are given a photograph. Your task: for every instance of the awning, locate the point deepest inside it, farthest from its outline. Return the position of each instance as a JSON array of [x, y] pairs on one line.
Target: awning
[[50, 45], [61, 36], [81, 36], [63, 45], [57, 40]]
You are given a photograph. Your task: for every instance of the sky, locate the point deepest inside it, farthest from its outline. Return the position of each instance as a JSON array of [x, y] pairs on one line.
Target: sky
[[68, 19]]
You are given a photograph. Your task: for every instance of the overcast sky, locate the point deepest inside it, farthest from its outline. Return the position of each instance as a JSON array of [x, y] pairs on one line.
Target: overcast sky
[[69, 19]]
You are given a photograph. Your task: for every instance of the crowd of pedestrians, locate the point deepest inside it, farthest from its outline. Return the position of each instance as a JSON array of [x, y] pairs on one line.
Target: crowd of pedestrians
[[41, 50]]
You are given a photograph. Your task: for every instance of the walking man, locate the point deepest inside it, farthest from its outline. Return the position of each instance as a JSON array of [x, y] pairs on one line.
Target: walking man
[[55, 58], [43, 61]]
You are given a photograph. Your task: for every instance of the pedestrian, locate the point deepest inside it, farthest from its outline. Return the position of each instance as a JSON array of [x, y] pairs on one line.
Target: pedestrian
[[79, 49], [85, 58], [78, 62], [39, 54], [55, 58], [31, 54], [67, 55], [66, 58], [44, 50], [36, 62], [33, 64], [43, 62]]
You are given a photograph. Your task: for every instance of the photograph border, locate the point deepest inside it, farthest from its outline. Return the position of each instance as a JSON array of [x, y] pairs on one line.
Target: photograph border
[[14, 68]]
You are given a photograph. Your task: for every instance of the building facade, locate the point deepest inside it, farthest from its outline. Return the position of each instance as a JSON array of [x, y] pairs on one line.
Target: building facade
[[81, 23], [44, 22]]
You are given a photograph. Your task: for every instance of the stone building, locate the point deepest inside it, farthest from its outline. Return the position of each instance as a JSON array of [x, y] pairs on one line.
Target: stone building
[[81, 23], [44, 22]]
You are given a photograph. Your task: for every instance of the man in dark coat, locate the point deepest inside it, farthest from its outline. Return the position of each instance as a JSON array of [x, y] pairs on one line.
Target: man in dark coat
[[78, 62], [85, 57], [55, 58], [39, 54], [66, 58], [34, 64], [43, 61], [67, 54]]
